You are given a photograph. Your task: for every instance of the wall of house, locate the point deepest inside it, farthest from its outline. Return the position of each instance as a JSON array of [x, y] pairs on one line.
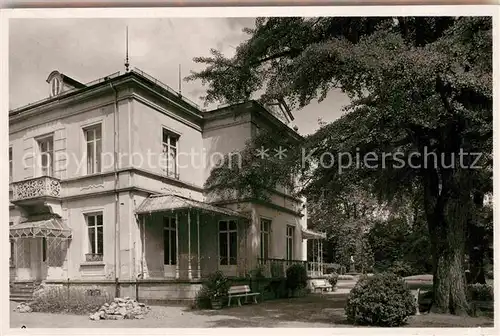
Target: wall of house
[[66, 124], [147, 128], [74, 212], [222, 135]]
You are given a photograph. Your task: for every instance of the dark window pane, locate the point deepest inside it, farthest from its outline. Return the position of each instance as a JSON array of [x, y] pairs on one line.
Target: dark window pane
[[223, 248], [98, 132], [166, 247], [98, 156], [233, 248], [165, 136], [92, 240], [100, 242], [90, 158], [89, 135], [232, 225], [91, 220], [222, 226], [44, 249], [99, 219], [173, 250]]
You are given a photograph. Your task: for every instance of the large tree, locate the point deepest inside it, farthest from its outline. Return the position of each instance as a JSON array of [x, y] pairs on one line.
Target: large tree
[[421, 91]]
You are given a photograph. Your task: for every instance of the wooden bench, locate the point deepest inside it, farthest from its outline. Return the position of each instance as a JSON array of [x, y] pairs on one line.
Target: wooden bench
[[321, 284], [238, 292], [481, 305]]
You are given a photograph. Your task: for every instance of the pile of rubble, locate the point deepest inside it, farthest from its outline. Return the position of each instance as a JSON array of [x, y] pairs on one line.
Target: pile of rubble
[[23, 308], [119, 309]]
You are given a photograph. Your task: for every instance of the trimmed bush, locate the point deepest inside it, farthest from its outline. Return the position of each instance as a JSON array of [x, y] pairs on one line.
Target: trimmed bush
[[59, 300], [333, 279], [380, 300], [296, 277]]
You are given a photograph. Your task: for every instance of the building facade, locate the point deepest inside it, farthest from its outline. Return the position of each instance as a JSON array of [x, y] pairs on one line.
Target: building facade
[[107, 190]]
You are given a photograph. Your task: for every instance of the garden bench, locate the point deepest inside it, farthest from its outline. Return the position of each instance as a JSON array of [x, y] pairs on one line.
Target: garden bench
[[482, 305], [321, 284], [238, 292]]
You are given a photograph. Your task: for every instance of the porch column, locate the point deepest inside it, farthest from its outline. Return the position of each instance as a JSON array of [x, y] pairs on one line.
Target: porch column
[[177, 244], [321, 257], [190, 275], [198, 233]]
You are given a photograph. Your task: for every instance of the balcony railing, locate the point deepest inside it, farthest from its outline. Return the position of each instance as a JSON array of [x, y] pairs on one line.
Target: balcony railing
[[44, 186], [276, 268], [90, 257]]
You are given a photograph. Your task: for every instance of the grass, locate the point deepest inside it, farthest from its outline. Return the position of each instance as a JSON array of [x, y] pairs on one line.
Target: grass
[[76, 301]]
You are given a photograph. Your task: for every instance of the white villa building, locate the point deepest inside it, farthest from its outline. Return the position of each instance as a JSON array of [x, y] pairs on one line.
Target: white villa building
[[88, 209]]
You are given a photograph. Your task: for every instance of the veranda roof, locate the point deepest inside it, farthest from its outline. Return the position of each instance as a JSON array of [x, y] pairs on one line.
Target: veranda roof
[[159, 203], [310, 234], [48, 227]]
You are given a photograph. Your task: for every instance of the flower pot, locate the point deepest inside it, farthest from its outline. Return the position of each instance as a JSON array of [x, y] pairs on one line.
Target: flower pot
[[216, 303]]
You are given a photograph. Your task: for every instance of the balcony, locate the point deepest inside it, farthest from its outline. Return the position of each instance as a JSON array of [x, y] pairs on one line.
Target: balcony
[[36, 188]]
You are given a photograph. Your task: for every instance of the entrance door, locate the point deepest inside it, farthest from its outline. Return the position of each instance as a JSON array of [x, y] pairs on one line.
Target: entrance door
[[41, 264]]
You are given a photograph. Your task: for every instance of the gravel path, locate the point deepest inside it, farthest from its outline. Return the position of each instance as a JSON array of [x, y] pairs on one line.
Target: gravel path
[[158, 317]]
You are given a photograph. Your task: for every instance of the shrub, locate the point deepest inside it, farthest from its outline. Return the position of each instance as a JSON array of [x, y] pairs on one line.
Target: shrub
[[480, 292], [59, 300], [257, 273], [202, 299], [296, 277], [401, 268], [380, 300], [215, 287], [333, 279]]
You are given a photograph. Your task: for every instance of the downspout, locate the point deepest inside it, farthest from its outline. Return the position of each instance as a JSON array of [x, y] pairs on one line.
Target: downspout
[[115, 170]]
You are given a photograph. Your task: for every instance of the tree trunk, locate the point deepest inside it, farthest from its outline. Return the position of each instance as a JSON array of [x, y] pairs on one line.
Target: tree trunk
[[448, 246]]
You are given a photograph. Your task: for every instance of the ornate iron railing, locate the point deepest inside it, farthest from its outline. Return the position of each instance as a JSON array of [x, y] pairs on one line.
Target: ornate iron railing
[[276, 268], [44, 186], [93, 257]]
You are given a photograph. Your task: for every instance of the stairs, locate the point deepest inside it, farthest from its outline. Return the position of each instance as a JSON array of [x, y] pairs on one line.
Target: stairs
[[22, 291]]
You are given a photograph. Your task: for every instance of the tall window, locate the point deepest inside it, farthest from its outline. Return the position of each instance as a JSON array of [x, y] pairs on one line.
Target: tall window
[[290, 233], [10, 164], [93, 141], [95, 234], [170, 146], [12, 247], [169, 241], [265, 229], [46, 150], [228, 242], [44, 249]]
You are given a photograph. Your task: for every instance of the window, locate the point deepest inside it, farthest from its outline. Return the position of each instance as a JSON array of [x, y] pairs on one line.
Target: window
[[44, 249], [169, 147], [10, 164], [169, 241], [265, 230], [290, 233], [46, 150], [95, 234], [12, 248], [228, 242], [93, 142]]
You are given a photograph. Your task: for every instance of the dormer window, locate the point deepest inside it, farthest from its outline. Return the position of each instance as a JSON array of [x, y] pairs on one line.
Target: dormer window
[[58, 83], [55, 86]]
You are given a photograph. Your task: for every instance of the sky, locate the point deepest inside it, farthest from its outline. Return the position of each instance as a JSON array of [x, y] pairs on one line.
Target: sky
[[88, 49]]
